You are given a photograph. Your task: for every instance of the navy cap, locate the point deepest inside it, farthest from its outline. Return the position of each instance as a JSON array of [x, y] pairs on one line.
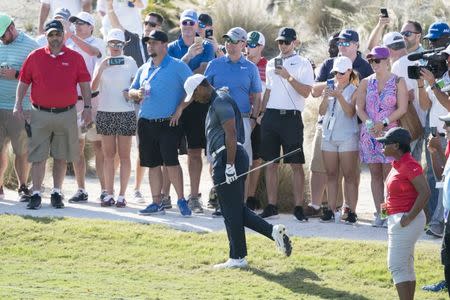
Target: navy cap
[[349, 35], [53, 25], [286, 34], [156, 35], [396, 135], [437, 30]]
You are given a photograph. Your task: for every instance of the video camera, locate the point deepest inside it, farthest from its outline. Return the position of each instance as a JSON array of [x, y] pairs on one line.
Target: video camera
[[436, 63]]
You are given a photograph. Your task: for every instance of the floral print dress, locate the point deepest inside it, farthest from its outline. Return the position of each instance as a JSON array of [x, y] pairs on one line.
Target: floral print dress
[[378, 106]]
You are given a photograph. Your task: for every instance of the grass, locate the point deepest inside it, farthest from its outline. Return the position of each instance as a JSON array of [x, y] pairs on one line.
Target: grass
[[50, 258]]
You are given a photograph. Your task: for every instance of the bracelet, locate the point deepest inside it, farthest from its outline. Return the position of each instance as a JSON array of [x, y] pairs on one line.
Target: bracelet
[[88, 106], [420, 87], [253, 118]]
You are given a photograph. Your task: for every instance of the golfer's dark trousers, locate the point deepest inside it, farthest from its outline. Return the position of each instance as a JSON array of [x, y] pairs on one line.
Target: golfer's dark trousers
[[231, 200]]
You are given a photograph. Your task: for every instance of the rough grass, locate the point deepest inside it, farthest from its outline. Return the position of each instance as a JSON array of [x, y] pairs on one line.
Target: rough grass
[[49, 258]]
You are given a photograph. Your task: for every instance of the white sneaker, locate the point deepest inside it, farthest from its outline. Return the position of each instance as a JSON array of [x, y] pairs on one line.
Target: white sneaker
[[138, 197], [232, 263], [282, 241]]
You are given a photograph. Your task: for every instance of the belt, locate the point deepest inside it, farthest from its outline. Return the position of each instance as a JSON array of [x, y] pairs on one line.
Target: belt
[[55, 110], [160, 120], [215, 153], [285, 112]]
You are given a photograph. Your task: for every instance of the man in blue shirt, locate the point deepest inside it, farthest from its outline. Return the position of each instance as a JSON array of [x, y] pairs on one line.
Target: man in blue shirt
[[196, 52], [158, 85], [241, 77], [14, 49], [225, 135]]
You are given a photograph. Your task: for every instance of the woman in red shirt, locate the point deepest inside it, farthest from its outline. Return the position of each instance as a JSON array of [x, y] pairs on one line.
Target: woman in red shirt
[[408, 192]]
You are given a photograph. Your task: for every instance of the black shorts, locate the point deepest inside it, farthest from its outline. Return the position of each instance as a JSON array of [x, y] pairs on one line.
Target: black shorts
[[282, 129], [193, 125], [256, 142], [445, 251], [158, 143]]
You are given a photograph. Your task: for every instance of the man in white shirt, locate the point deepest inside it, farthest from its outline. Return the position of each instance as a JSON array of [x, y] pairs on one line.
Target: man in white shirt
[[48, 8], [289, 79], [92, 49]]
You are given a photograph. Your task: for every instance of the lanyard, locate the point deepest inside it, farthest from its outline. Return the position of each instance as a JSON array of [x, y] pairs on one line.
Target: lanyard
[[150, 77]]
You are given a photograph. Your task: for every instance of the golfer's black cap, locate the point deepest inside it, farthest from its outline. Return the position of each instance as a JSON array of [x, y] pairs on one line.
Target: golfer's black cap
[[396, 135]]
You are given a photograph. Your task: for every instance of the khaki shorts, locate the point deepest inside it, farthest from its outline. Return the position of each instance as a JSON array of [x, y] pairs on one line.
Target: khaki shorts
[[56, 133], [317, 164], [13, 130]]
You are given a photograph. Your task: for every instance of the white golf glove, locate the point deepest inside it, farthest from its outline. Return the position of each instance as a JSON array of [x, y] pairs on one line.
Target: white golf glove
[[230, 173]]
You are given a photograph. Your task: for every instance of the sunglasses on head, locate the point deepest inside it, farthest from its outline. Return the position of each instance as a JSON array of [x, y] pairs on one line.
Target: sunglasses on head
[[188, 23], [81, 23], [408, 33], [287, 43], [230, 41], [343, 44], [116, 45], [151, 24], [375, 60]]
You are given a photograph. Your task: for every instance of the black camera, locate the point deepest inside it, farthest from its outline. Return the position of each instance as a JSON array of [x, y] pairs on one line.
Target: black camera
[[436, 63]]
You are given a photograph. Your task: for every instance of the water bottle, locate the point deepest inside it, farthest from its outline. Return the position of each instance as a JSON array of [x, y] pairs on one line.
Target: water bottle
[[330, 86]]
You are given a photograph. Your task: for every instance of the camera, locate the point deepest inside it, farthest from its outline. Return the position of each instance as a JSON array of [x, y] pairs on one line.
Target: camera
[[384, 12], [436, 63], [208, 33]]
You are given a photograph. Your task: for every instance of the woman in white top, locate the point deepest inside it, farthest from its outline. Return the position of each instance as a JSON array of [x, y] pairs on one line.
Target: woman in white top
[[116, 118], [340, 138]]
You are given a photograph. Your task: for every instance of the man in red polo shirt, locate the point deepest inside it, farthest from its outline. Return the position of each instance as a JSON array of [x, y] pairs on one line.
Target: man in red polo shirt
[[53, 73]]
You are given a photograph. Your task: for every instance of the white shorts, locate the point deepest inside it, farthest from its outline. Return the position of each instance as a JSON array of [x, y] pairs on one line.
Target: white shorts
[[349, 145]]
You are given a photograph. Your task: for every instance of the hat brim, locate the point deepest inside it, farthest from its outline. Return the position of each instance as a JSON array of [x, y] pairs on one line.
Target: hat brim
[[382, 140], [370, 55], [445, 118], [283, 38], [432, 36], [73, 19], [189, 98], [188, 19], [53, 29]]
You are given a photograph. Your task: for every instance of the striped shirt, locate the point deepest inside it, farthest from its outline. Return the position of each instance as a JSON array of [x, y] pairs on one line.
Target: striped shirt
[[13, 55]]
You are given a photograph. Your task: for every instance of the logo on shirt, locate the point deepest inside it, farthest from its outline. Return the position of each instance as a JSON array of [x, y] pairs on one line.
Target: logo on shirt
[[243, 68], [65, 64], [293, 64]]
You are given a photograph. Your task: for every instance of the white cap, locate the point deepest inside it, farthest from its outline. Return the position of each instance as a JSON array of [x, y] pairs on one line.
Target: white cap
[[116, 35], [392, 38], [191, 84], [447, 50], [342, 64], [256, 38], [445, 118], [83, 16]]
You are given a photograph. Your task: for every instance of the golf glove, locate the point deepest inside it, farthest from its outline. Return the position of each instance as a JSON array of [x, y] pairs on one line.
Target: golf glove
[[230, 173]]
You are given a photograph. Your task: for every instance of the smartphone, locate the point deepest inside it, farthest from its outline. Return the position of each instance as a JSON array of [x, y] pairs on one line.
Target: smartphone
[[384, 12], [28, 128], [278, 63], [330, 84], [208, 33], [198, 40], [433, 131], [114, 61], [414, 72]]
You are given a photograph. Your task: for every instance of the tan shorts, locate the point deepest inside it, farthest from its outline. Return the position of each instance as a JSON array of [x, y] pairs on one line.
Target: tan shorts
[[56, 133], [13, 130], [317, 164]]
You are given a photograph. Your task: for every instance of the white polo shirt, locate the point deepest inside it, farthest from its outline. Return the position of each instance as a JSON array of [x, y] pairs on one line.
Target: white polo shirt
[[437, 109], [282, 94], [74, 6]]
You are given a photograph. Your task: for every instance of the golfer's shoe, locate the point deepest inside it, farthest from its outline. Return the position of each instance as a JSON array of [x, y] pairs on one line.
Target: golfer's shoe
[[281, 239], [232, 263]]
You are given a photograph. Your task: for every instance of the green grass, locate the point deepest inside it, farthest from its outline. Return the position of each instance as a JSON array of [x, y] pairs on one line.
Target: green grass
[[53, 258]]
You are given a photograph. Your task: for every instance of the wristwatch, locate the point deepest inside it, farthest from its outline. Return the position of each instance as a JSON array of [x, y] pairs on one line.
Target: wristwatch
[[88, 106]]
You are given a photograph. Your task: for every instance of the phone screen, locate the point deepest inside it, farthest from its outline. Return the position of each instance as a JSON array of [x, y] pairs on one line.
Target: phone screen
[[278, 63], [208, 33], [114, 61]]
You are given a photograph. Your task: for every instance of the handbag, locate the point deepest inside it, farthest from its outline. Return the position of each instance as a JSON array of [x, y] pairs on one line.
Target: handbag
[[410, 120]]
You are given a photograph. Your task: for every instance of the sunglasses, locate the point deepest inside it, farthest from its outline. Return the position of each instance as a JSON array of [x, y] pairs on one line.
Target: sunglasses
[[287, 43], [375, 60], [81, 23], [230, 41], [151, 24], [335, 73], [188, 23], [201, 25], [116, 45], [343, 44], [408, 33]]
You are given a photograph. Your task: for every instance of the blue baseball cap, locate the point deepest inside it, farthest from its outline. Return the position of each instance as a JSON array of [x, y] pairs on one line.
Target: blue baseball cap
[[437, 30], [349, 35], [189, 14]]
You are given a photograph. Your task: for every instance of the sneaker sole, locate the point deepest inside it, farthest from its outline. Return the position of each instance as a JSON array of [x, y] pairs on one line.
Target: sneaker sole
[[301, 221], [153, 213], [326, 221], [35, 208], [82, 201]]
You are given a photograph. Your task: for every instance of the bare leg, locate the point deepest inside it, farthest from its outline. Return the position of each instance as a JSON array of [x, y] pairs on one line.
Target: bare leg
[[331, 162], [109, 153], [176, 177], [59, 172], [166, 182], [38, 174], [348, 162], [318, 188], [3, 163], [79, 167], [99, 163], [195, 166], [253, 178], [22, 168], [377, 185], [139, 175], [155, 179], [272, 183], [404, 290], [124, 148], [298, 183]]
